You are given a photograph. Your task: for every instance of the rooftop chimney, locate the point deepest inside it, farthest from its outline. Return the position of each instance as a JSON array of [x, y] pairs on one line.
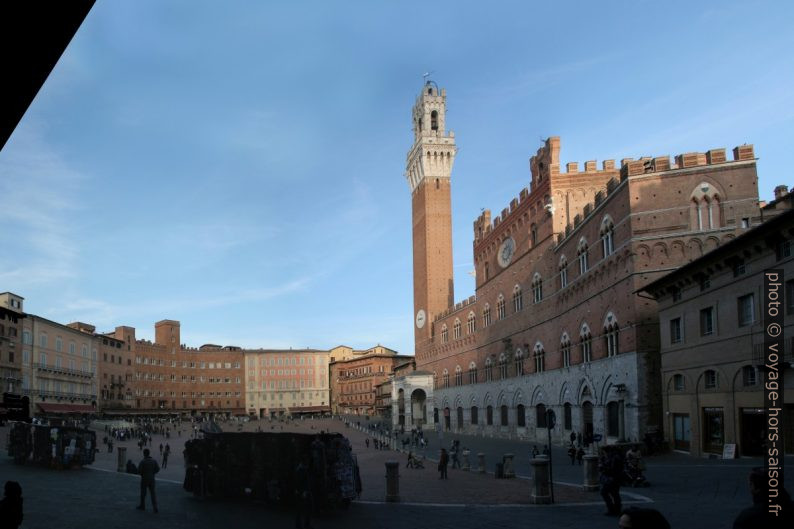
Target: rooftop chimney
[[780, 192]]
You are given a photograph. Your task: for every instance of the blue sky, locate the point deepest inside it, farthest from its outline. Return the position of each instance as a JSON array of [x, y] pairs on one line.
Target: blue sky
[[238, 166]]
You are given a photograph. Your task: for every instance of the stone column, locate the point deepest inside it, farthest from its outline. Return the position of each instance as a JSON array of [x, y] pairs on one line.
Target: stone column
[[392, 481], [122, 465], [541, 488], [466, 464], [590, 472], [481, 463], [507, 461]]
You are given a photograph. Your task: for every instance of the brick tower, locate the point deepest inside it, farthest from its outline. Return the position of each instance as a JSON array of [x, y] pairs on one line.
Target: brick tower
[[428, 170]]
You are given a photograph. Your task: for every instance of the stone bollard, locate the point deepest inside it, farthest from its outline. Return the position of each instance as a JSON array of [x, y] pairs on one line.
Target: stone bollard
[[591, 473], [392, 481], [481, 463], [122, 466], [508, 471], [466, 464], [541, 489]]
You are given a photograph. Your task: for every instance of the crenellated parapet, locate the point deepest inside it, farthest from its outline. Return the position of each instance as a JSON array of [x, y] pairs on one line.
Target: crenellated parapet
[[455, 308]]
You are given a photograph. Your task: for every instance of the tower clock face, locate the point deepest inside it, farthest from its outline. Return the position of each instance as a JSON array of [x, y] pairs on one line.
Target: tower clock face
[[420, 318], [506, 251]]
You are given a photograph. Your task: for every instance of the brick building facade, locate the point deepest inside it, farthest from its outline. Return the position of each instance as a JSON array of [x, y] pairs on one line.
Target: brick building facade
[[355, 375], [556, 322], [11, 315]]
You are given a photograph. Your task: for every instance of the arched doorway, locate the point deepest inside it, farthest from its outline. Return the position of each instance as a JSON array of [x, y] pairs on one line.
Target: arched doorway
[[401, 407], [446, 419], [418, 407], [587, 420]]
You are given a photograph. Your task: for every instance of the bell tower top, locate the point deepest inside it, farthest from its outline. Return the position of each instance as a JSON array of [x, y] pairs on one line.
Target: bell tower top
[[433, 151]]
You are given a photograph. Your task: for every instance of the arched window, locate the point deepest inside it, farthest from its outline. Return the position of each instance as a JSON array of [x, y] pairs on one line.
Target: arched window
[[521, 416], [434, 120], [459, 417], [456, 328], [445, 376], [581, 253], [749, 376], [502, 366], [710, 379], [611, 332], [540, 415], [607, 236], [503, 414], [613, 419], [489, 415], [474, 415], [563, 272], [706, 209], [435, 380], [587, 342], [500, 307], [537, 288], [488, 369], [458, 376], [565, 348], [566, 416], [444, 334], [519, 362], [471, 323], [533, 235], [486, 315], [518, 299], [472, 373], [540, 358]]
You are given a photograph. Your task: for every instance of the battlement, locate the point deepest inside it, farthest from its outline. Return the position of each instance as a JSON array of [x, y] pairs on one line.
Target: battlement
[[455, 308]]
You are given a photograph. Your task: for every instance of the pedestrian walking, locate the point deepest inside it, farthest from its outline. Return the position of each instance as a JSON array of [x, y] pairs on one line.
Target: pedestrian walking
[[366, 442], [161, 448], [147, 468], [535, 451], [443, 461], [573, 437], [166, 453], [11, 506], [611, 469], [572, 454]]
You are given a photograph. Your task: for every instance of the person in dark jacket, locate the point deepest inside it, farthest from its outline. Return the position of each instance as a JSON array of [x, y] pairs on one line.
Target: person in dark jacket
[[443, 461], [611, 468], [643, 517], [758, 515], [11, 506], [147, 468]]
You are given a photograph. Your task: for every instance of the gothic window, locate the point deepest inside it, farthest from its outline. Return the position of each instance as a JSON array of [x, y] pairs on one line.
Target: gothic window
[[471, 323], [472, 373], [434, 120], [607, 236], [581, 252], [445, 378], [486, 315], [444, 333], [502, 366], [706, 211], [518, 299], [565, 347], [488, 369], [519, 362], [521, 416], [533, 235], [456, 327], [586, 343], [458, 376], [563, 272], [500, 307], [537, 288], [540, 415], [611, 332], [540, 361]]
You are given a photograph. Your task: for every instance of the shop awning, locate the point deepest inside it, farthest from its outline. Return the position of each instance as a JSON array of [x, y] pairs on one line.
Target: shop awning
[[57, 407]]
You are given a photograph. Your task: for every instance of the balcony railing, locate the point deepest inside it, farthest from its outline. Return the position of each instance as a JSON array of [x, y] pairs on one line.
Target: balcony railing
[[64, 371]]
